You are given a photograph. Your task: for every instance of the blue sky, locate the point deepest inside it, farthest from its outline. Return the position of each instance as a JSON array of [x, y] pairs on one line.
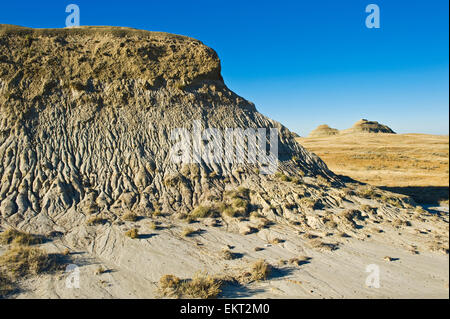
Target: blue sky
[[303, 63]]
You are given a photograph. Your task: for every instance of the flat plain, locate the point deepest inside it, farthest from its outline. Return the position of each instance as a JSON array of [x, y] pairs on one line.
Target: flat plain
[[410, 164]]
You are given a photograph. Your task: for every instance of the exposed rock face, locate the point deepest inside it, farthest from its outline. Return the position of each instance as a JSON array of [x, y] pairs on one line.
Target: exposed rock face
[[365, 126], [323, 130], [362, 126], [86, 118]]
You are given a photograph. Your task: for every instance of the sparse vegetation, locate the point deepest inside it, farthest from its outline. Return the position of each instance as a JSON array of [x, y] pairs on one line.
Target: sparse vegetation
[[132, 233], [21, 261], [308, 202], [260, 270], [96, 220], [388, 160], [100, 270], [202, 286], [227, 254], [6, 285], [14, 236], [188, 231], [130, 217], [319, 244], [203, 212]]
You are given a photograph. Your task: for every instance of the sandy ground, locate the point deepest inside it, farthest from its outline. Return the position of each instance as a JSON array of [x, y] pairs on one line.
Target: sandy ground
[[134, 266]]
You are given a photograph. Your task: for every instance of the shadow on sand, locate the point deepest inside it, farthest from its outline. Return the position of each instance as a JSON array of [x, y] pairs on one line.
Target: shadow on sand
[[421, 194]]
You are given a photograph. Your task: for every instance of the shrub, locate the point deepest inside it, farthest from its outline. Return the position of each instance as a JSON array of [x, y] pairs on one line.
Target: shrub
[[20, 261], [14, 236], [203, 212], [227, 254], [201, 286], [187, 232], [130, 217], [132, 233], [367, 192], [78, 86], [100, 270], [169, 282], [96, 220], [276, 240], [6, 285], [308, 202], [260, 270]]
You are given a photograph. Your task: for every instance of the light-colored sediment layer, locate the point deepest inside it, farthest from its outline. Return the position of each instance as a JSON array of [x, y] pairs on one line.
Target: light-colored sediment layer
[[135, 266]]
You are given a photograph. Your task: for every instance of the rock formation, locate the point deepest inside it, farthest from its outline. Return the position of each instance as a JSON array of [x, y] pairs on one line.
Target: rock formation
[[323, 130], [86, 117], [365, 126], [362, 126]]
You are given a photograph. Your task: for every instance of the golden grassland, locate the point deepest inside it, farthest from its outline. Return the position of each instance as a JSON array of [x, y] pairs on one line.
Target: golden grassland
[[411, 164]]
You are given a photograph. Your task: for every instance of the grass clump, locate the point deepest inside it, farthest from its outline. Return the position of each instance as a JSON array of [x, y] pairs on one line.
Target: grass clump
[[130, 217], [367, 192], [188, 231], [308, 202], [21, 261], [260, 270], [393, 201], [14, 236], [202, 286], [203, 212], [96, 220], [228, 255], [6, 285], [320, 245], [132, 233]]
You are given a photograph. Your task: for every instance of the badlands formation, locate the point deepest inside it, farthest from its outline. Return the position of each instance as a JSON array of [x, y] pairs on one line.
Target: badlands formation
[[360, 127], [87, 180]]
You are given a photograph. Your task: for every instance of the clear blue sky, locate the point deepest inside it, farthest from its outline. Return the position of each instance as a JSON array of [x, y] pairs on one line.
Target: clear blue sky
[[303, 63]]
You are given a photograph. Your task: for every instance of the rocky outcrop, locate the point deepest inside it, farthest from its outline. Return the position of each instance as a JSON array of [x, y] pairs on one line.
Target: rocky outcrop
[[323, 130], [365, 126], [362, 126], [86, 122]]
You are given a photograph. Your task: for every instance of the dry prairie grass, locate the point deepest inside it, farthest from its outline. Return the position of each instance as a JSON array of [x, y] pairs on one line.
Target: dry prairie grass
[[14, 236], [410, 164], [202, 286], [21, 261]]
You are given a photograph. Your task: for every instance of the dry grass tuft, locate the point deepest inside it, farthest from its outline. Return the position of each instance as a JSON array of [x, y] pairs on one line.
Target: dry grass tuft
[[21, 261], [132, 233], [188, 231], [130, 217], [227, 254], [202, 286], [96, 220], [319, 244], [260, 270], [6, 285], [14, 236], [203, 212]]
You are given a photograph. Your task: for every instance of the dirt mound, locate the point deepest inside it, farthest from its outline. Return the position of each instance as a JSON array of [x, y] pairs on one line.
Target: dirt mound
[[323, 130]]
